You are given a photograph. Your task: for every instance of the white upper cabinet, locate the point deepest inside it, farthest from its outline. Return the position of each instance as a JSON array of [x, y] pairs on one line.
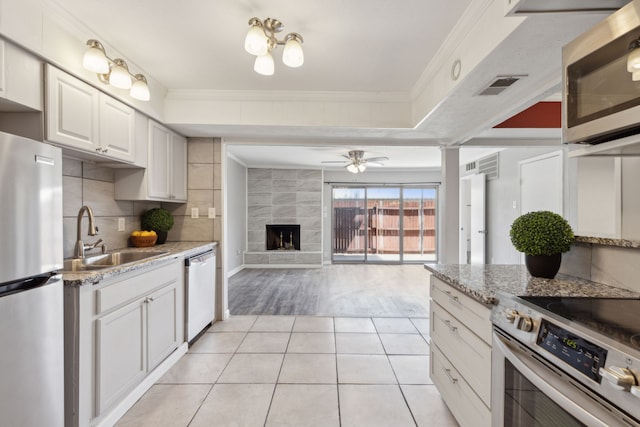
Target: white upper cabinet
[[82, 118], [165, 177], [20, 78], [117, 128]]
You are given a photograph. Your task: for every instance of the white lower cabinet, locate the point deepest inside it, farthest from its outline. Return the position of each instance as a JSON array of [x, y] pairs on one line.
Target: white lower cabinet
[[460, 362], [119, 353], [116, 333]]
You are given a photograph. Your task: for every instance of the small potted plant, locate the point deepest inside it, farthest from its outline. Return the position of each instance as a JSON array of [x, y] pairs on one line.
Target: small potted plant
[[159, 220], [543, 237]]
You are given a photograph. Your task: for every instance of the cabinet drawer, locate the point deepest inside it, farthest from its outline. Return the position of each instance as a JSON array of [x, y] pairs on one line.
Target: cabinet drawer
[[463, 403], [470, 312], [469, 354], [133, 287]]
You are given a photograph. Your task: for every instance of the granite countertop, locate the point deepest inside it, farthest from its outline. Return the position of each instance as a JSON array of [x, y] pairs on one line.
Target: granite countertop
[[173, 250], [482, 282]]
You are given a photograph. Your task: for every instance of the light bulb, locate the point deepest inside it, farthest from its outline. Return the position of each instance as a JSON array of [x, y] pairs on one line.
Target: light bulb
[[95, 59], [119, 76], [256, 42], [635, 76], [264, 64], [362, 168], [352, 168], [140, 89], [292, 55], [633, 60]]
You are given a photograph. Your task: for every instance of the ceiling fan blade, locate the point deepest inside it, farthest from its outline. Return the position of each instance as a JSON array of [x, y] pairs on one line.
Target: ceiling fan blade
[[374, 164], [347, 157], [376, 159], [335, 161]]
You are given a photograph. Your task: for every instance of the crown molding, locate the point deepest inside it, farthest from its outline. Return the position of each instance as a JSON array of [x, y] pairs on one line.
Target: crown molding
[[288, 96]]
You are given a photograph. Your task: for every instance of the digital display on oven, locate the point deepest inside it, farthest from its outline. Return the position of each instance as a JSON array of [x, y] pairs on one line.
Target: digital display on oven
[[577, 352]]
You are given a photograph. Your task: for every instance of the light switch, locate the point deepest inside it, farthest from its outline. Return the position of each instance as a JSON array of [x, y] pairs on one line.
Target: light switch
[[515, 204], [120, 224], [195, 213], [212, 213]]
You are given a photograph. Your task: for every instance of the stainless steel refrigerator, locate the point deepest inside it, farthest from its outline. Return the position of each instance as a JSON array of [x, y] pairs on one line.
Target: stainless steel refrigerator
[[31, 294]]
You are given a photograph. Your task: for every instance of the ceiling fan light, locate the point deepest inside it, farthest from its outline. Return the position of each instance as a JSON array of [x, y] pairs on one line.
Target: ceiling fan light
[[635, 76], [633, 60], [361, 167], [293, 55], [119, 76], [140, 89], [264, 64], [95, 59], [352, 168], [256, 42]]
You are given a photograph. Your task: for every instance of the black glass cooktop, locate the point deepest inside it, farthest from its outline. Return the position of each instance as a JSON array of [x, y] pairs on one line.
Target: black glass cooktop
[[618, 319]]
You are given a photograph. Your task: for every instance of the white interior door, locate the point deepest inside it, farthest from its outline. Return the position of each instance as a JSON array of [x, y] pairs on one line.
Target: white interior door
[[541, 184], [477, 218]]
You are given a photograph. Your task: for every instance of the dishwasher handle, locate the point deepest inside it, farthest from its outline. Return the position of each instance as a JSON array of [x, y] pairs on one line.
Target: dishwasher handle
[[199, 258]]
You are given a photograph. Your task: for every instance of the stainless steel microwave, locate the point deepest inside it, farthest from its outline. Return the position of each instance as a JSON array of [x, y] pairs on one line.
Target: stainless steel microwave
[[601, 90]]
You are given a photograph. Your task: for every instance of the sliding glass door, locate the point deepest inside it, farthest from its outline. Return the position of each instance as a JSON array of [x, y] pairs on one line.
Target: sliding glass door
[[389, 224]]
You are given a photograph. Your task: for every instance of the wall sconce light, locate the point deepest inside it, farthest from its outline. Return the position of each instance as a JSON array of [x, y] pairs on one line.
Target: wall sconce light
[[633, 60], [261, 40], [114, 71]]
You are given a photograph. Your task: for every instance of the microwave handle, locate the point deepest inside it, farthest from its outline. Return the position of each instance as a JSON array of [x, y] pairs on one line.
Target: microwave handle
[[567, 404]]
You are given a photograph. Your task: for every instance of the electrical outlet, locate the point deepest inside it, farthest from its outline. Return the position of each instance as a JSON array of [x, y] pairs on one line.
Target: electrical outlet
[[212, 213], [195, 213], [120, 224]]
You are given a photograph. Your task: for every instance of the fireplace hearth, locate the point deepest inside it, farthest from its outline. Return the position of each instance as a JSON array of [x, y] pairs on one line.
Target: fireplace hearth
[[283, 237]]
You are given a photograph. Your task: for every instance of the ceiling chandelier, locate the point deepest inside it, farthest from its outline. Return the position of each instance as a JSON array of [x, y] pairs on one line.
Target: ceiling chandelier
[[114, 71], [261, 39]]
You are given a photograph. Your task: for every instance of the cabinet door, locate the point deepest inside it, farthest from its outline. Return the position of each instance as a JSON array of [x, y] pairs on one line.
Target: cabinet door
[[178, 168], [117, 129], [71, 111], [120, 349], [162, 325], [158, 167]]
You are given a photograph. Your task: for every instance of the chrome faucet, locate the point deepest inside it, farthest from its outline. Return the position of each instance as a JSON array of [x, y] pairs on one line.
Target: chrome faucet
[[78, 252]]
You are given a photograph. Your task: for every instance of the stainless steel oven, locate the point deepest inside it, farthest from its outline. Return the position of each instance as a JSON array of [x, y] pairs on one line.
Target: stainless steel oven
[[565, 362], [601, 84]]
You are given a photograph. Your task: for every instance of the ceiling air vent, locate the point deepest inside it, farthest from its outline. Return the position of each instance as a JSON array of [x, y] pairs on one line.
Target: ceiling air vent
[[499, 84], [489, 166]]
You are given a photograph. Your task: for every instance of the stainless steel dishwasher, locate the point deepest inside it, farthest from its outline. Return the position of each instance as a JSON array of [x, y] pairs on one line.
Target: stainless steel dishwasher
[[200, 271]]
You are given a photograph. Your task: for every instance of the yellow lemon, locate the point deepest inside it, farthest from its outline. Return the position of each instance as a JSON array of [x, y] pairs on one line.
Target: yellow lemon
[[136, 233], [153, 233]]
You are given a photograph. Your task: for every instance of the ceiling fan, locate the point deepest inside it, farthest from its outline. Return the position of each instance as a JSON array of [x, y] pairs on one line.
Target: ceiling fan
[[355, 161]]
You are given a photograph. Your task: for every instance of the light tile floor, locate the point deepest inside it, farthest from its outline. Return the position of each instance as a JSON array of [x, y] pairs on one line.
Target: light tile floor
[[299, 371]]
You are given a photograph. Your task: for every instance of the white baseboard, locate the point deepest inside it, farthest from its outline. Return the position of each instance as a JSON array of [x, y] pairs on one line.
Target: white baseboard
[[236, 270], [121, 408]]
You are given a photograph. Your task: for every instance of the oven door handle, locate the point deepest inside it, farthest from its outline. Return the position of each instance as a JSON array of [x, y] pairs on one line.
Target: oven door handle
[[554, 394]]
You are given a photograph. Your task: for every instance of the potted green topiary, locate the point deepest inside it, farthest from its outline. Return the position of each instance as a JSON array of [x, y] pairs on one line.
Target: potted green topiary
[[159, 220], [543, 237]]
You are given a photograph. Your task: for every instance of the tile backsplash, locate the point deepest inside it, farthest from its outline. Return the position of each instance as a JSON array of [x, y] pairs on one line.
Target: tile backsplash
[[87, 183]]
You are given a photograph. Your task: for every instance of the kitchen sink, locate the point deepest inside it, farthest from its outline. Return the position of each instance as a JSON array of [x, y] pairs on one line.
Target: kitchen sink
[[108, 260]]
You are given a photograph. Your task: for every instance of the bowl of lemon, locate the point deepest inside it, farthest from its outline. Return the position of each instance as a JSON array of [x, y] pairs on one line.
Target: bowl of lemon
[[143, 238]]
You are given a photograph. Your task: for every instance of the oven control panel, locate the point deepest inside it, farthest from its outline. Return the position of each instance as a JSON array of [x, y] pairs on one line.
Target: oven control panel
[[572, 349]]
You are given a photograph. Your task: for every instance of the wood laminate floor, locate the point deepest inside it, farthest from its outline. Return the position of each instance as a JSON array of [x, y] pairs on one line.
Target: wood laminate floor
[[362, 290]]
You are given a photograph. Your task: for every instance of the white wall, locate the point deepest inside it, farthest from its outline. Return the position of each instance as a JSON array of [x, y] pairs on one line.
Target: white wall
[[236, 214], [500, 195]]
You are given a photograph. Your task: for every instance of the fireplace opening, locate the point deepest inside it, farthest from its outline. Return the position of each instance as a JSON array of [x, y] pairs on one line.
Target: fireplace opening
[[283, 237]]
